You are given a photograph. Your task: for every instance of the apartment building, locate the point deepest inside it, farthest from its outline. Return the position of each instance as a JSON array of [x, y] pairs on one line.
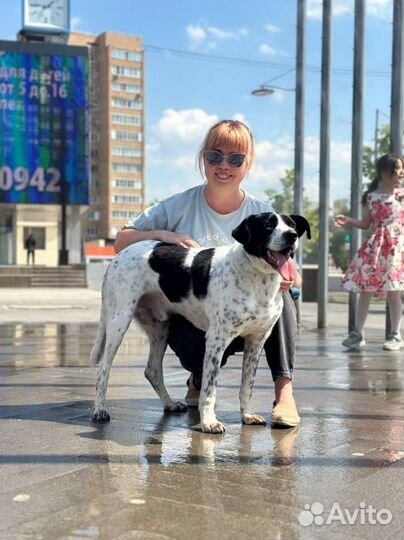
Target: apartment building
[[117, 190]]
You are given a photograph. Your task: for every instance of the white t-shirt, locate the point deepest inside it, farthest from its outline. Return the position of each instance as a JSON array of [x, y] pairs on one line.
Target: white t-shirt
[[189, 213]]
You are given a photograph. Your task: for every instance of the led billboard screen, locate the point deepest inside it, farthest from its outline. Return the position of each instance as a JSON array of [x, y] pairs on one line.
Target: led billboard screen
[[43, 124]]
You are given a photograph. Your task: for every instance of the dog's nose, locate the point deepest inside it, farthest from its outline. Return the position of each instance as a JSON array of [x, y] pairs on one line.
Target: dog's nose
[[291, 236]]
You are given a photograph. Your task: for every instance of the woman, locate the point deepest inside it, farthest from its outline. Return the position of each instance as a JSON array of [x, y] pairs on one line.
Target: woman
[[205, 216]]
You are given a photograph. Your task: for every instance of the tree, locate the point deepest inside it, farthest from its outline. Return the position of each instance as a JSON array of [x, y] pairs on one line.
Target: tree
[[369, 156], [282, 201], [339, 243]]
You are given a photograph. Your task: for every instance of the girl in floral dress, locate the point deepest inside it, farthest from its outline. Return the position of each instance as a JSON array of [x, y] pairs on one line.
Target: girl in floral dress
[[379, 264]]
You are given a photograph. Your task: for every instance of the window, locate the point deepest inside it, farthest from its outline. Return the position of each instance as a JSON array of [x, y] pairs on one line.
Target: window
[[126, 152], [120, 54], [122, 214], [127, 103], [126, 136], [126, 119], [130, 184], [130, 88], [126, 72], [39, 234], [92, 231], [126, 168], [126, 199], [93, 214]]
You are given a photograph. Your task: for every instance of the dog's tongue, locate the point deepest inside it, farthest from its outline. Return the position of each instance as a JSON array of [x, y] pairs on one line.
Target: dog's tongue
[[284, 264]]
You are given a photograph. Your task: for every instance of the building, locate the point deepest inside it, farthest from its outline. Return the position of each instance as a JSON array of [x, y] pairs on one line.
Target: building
[[116, 149], [117, 191]]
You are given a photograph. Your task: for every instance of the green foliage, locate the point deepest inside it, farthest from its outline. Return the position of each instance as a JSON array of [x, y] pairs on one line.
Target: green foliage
[[339, 244], [369, 158]]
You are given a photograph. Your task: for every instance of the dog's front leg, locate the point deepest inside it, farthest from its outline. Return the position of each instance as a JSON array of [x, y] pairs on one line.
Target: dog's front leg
[[252, 350], [216, 343]]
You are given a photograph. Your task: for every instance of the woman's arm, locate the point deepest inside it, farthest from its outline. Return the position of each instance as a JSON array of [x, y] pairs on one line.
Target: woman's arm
[[126, 237], [364, 223]]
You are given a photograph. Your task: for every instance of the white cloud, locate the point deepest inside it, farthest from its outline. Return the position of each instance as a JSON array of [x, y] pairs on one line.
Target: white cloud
[[375, 8], [195, 33], [272, 28], [75, 23], [380, 8], [267, 50], [187, 126], [340, 7], [207, 36]]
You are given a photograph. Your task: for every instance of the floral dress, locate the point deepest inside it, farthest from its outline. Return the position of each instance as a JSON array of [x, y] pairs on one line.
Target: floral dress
[[379, 264]]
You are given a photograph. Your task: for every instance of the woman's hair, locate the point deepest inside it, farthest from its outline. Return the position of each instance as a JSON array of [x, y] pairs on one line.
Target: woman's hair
[[228, 133], [387, 164]]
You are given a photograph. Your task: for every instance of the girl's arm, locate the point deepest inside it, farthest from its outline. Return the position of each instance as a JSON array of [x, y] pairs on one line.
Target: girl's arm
[[364, 223]]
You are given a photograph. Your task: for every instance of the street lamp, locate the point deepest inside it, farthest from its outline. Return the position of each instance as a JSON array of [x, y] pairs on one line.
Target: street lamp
[[266, 90]]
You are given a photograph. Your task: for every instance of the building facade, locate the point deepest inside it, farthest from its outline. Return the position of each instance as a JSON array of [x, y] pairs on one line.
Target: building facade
[[117, 190]]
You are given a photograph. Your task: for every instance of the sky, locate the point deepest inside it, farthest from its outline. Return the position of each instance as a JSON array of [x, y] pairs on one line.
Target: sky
[[203, 59]]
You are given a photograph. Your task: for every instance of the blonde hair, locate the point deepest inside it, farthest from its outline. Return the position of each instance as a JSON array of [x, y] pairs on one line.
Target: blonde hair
[[228, 133]]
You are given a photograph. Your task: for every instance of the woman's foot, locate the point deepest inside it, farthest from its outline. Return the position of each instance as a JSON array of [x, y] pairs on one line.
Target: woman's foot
[[284, 412], [192, 396]]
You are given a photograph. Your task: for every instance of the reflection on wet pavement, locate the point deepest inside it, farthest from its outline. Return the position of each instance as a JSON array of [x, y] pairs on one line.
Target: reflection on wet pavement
[[150, 475]]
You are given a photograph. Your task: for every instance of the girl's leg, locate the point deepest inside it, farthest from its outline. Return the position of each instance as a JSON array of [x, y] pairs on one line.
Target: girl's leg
[[395, 308], [362, 310]]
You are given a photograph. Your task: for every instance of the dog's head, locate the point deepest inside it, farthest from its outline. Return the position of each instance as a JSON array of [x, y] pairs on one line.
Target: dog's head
[[272, 238]]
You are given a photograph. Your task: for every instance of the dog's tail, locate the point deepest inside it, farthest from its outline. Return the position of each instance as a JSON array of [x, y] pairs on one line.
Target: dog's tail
[[99, 345]]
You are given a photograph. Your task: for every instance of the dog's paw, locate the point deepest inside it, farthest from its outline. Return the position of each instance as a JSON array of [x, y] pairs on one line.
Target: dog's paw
[[213, 427], [176, 406], [253, 420], [100, 415]]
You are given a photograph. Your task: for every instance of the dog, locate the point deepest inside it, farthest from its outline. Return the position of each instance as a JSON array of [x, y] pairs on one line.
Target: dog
[[226, 291]]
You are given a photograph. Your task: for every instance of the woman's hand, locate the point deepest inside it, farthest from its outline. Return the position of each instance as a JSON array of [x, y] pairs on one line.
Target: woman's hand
[[179, 239], [286, 285], [341, 221]]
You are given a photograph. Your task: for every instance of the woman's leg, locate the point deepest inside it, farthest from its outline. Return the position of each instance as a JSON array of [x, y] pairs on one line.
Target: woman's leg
[[188, 343], [280, 349]]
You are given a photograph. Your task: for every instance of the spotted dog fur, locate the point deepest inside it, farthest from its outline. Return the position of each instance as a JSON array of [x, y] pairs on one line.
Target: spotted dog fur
[[225, 291]]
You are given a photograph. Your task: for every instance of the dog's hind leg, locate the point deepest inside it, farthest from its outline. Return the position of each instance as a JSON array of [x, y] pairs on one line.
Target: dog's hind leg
[[115, 330], [98, 349], [157, 332], [252, 350]]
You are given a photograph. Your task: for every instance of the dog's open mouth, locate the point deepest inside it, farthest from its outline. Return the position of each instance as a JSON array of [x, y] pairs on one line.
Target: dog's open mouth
[[281, 261]]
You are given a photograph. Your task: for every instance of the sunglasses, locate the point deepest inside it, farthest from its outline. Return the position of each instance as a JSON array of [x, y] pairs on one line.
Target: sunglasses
[[215, 158]]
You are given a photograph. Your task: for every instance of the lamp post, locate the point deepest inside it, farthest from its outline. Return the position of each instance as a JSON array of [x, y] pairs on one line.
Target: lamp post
[[267, 89]]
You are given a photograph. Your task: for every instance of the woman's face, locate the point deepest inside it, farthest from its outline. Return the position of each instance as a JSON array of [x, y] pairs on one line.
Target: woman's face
[[225, 174]]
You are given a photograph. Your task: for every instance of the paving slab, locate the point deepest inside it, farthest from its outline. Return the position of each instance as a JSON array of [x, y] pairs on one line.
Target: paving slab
[[154, 476]]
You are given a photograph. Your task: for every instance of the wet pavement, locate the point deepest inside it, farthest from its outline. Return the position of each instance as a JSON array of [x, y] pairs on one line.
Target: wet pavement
[[153, 476]]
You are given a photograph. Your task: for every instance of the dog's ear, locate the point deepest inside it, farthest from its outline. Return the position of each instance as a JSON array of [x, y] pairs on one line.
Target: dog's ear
[[302, 225], [242, 232]]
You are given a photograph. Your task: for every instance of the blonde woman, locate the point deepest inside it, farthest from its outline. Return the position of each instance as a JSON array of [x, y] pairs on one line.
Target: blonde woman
[[205, 216]]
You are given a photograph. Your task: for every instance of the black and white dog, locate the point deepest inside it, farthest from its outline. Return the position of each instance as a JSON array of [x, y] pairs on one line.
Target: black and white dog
[[226, 291]]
